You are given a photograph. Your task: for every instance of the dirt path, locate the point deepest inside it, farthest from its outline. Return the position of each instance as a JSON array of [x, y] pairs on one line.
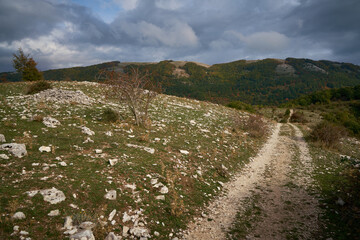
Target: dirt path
[[279, 175]]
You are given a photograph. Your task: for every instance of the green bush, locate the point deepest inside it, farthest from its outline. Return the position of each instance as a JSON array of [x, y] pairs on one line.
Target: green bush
[[241, 106], [328, 134], [298, 117], [38, 87], [110, 115]]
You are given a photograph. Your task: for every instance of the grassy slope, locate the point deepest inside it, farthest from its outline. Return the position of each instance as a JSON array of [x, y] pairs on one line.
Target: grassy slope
[[89, 175]]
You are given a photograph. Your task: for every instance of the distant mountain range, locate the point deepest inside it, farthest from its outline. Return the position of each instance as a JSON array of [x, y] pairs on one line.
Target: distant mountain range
[[265, 82]]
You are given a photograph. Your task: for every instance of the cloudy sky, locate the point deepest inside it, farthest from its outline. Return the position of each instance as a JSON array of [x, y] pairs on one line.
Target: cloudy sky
[[64, 33]]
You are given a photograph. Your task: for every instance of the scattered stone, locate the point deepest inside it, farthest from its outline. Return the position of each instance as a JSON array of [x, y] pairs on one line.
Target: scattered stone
[[54, 213], [160, 197], [98, 151], [156, 233], [113, 161], [61, 96], [125, 231], [87, 225], [32, 193], [147, 149], [185, 152], [126, 217], [112, 215], [153, 181], [2, 138], [164, 190], [53, 195], [111, 195], [4, 156], [24, 233], [109, 133], [112, 236], [88, 140], [19, 216], [44, 149], [140, 232], [83, 235], [73, 206], [71, 231], [51, 122], [64, 164], [87, 131], [340, 202], [16, 149], [68, 223], [16, 228], [131, 186]]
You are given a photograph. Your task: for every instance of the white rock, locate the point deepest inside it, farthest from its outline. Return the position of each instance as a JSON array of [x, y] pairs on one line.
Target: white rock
[[45, 149], [111, 195], [2, 138], [185, 152], [83, 235], [125, 231], [16, 149], [149, 150], [71, 231], [18, 216], [112, 236], [87, 131], [4, 156], [340, 202], [140, 232], [98, 151], [131, 186], [153, 181], [16, 228], [32, 193], [112, 215], [53, 195], [109, 133], [113, 161], [160, 197], [54, 213], [87, 225], [73, 206], [156, 233], [64, 164], [164, 190], [68, 223], [88, 140], [126, 217], [51, 122], [24, 233]]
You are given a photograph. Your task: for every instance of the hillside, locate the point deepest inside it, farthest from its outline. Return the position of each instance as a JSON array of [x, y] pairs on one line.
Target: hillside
[[120, 176], [264, 82]]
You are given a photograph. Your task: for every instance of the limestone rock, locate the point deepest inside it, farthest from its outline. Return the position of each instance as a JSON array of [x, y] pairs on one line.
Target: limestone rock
[[19, 216], [87, 131], [68, 223], [111, 195], [2, 138], [113, 161], [54, 213], [164, 190], [51, 122], [61, 96], [87, 225], [112, 236], [98, 151], [4, 156], [83, 235], [140, 232], [18, 150], [112, 215], [185, 152], [125, 231], [109, 133], [53, 195], [160, 197], [45, 149]]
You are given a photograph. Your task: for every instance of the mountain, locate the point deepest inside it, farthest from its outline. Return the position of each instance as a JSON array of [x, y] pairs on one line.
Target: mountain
[[266, 82]]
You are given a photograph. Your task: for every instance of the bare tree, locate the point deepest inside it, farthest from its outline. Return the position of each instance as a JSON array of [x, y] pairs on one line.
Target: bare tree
[[135, 89]]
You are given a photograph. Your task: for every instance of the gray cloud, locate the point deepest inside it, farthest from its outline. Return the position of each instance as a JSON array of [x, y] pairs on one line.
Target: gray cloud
[[59, 33]]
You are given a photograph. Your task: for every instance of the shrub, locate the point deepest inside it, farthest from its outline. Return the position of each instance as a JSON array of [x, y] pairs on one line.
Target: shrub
[[298, 117], [328, 134], [241, 106], [254, 125], [110, 115], [38, 87]]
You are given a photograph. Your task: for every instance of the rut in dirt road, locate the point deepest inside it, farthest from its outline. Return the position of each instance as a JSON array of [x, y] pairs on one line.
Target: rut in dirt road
[[279, 175]]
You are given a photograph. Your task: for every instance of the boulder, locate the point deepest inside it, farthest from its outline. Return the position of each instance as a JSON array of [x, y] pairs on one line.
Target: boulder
[[51, 122], [111, 195], [19, 216], [83, 235], [53, 195], [16, 149]]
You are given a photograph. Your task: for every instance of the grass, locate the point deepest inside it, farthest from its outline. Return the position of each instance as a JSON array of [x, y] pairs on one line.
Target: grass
[[177, 124]]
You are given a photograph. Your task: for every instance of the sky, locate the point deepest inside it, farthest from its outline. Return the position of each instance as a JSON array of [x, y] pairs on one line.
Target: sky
[[66, 33]]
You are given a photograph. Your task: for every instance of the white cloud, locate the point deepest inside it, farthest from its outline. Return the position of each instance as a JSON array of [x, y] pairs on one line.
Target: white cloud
[[127, 4], [169, 4]]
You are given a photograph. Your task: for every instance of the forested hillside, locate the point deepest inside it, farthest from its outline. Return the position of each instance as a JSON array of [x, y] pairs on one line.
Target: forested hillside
[[265, 82]]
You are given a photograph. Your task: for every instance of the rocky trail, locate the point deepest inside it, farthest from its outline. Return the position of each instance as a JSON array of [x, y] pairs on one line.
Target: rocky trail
[[280, 178]]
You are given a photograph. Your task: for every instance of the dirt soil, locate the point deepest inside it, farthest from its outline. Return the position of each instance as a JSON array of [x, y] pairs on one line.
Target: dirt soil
[[281, 175]]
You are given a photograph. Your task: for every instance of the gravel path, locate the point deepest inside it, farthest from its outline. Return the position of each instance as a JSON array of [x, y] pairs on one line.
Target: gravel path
[[280, 174]]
